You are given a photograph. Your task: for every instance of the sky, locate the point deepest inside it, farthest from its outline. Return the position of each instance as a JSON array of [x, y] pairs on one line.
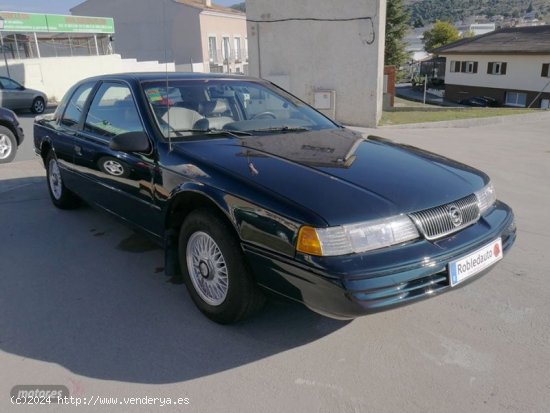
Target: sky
[[60, 6]]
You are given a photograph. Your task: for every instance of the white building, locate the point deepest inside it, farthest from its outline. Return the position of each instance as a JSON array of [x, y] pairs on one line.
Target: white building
[[331, 54], [51, 52], [511, 65], [197, 35]]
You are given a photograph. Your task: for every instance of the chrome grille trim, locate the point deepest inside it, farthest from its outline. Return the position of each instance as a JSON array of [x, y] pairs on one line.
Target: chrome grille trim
[[437, 222]]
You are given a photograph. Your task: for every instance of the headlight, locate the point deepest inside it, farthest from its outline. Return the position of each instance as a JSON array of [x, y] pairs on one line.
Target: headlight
[[486, 197], [355, 238]]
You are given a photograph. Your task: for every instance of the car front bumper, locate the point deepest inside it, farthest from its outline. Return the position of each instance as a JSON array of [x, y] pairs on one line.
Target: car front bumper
[[354, 285]]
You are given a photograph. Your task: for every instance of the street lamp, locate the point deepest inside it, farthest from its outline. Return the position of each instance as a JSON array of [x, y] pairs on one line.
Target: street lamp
[[2, 22]]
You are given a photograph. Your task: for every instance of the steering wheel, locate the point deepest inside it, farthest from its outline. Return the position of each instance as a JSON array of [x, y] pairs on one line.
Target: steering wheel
[[264, 115]]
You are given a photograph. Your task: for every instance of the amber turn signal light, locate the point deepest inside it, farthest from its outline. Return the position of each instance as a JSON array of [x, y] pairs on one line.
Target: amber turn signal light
[[308, 241]]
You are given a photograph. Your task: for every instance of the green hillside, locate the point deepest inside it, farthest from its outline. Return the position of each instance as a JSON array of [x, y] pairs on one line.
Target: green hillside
[[452, 10]]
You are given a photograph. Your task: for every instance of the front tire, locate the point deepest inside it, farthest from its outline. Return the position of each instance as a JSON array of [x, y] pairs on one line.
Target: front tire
[[60, 195], [8, 145], [38, 105], [214, 269]]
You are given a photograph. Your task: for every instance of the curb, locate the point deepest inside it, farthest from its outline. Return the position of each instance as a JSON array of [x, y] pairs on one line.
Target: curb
[[474, 122]]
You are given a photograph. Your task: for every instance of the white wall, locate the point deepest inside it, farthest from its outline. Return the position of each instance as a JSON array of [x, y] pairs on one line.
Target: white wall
[[347, 57], [522, 72], [161, 30], [55, 75]]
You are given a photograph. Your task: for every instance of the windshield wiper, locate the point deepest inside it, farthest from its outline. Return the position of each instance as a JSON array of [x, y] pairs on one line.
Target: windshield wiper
[[214, 131], [282, 129]]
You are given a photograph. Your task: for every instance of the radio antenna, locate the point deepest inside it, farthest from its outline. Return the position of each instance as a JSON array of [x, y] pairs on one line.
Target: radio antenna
[[167, 102]]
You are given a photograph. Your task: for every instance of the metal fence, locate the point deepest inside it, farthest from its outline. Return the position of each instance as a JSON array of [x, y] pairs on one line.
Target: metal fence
[[37, 45]]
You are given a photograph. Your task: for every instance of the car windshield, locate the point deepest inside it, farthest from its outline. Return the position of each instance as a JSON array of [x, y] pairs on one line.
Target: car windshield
[[186, 108]]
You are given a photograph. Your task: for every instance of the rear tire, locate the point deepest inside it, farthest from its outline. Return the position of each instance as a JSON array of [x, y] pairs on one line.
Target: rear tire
[[8, 145], [60, 195], [214, 269], [38, 105]]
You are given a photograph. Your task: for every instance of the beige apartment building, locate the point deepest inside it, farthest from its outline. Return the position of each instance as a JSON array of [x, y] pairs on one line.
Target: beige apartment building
[[196, 35]]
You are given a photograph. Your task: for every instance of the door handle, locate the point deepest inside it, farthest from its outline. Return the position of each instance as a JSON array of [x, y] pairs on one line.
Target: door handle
[[78, 150]]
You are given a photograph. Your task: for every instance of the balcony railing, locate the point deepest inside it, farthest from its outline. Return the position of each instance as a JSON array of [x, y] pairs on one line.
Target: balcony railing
[[235, 56]]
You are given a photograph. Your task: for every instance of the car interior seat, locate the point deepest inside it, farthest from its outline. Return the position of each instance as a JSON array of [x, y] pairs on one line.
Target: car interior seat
[[217, 114], [180, 119]]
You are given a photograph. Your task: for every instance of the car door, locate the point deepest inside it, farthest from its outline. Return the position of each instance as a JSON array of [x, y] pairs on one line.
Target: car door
[[122, 183], [63, 127]]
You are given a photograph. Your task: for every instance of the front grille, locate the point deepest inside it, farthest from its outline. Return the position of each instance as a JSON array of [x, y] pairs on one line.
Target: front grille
[[446, 219]]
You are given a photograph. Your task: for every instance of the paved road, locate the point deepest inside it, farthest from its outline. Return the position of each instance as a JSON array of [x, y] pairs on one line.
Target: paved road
[[84, 304]]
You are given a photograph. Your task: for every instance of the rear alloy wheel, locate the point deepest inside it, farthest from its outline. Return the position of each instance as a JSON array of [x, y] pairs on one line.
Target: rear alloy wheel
[[60, 195], [8, 145], [38, 105], [214, 269]]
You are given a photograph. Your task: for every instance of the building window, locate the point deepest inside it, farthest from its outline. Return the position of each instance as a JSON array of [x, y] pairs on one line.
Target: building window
[[468, 67], [496, 68], [545, 70], [455, 66], [226, 48], [463, 67], [516, 99], [238, 53], [212, 48]]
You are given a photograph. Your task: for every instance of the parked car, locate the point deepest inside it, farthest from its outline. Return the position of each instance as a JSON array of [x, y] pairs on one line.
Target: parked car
[[250, 189], [11, 135], [15, 96], [479, 101]]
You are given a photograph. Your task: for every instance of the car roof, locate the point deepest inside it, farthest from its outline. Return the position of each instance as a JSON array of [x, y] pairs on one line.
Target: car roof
[[158, 76]]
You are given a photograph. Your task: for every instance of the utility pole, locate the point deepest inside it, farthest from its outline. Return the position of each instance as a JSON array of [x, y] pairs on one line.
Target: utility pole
[[2, 22]]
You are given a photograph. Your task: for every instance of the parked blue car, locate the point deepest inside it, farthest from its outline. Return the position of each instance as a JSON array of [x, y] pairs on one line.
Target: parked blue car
[[250, 190]]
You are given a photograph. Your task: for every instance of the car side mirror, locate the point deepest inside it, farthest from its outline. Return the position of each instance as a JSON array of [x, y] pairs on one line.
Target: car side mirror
[[131, 142], [21, 88]]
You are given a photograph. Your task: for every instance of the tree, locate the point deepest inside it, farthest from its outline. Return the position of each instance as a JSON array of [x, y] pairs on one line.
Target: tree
[[418, 23], [396, 26], [441, 34]]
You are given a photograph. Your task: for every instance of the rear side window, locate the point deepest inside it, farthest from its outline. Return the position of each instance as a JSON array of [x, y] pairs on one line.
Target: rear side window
[[113, 111], [75, 105]]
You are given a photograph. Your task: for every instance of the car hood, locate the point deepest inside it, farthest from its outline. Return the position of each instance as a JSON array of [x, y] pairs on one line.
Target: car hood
[[340, 175]]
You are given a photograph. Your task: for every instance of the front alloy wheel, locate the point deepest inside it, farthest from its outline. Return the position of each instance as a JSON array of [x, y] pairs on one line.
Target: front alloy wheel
[[214, 268], [38, 105], [207, 268]]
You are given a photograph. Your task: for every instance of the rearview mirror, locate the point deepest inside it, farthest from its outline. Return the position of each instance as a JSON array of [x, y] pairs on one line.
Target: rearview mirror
[[131, 142]]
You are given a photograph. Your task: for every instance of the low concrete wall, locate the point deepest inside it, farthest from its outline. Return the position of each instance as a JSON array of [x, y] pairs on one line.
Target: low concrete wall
[[56, 75]]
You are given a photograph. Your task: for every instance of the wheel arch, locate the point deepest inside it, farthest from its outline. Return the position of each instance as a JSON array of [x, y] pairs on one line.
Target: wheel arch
[[45, 147], [10, 127], [191, 197]]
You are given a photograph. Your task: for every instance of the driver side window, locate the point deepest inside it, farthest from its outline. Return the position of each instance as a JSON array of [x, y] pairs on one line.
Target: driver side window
[[113, 111]]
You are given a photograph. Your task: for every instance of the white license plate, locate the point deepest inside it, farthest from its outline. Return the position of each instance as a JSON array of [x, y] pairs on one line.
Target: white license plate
[[475, 262]]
